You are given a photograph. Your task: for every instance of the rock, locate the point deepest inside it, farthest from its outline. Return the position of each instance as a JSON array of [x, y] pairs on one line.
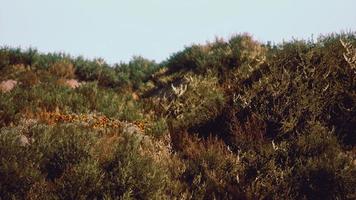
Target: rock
[[132, 129], [72, 83], [24, 141], [8, 85], [135, 96]]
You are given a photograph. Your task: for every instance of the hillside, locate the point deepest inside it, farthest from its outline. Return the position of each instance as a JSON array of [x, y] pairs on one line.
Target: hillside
[[230, 119]]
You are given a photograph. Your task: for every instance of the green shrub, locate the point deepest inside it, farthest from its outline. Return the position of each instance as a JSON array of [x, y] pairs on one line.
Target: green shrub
[[29, 79], [196, 100], [131, 175], [109, 102], [61, 147], [312, 166], [212, 171], [50, 97], [282, 118], [15, 56], [8, 109], [158, 128], [64, 154], [300, 83], [62, 69], [322, 170], [17, 171], [82, 181]]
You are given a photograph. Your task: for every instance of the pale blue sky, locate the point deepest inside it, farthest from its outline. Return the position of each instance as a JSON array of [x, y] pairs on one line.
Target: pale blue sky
[[118, 29]]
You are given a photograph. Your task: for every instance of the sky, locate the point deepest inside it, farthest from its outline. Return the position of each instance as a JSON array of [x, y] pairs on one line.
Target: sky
[[116, 30]]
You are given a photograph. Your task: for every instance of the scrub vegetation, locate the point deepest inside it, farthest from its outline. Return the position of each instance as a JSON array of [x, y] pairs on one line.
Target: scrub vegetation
[[230, 119]]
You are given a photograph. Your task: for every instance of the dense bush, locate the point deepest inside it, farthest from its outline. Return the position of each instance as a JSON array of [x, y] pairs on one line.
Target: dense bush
[[17, 171], [62, 69], [87, 98], [121, 75], [232, 119], [61, 162], [302, 83], [212, 171], [130, 175], [194, 101]]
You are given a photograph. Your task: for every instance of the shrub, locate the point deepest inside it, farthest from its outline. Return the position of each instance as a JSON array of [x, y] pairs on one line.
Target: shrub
[[61, 147], [311, 166], [321, 170], [298, 84], [108, 102], [63, 153], [82, 181], [62, 69], [245, 121], [17, 171], [157, 128], [131, 175], [8, 109], [196, 100], [29, 79], [15, 56], [212, 171], [88, 97]]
